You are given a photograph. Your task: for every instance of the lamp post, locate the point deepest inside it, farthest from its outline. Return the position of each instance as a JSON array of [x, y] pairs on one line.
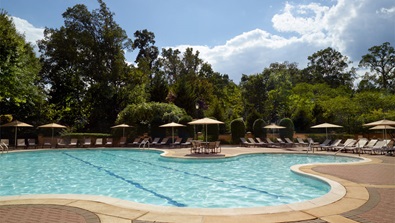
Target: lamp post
[[197, 116]]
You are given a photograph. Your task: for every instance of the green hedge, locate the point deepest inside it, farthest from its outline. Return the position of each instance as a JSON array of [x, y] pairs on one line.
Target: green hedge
[[238, 129]]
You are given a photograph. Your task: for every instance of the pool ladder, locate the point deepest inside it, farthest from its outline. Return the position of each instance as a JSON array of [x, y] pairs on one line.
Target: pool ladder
[[3, 147]]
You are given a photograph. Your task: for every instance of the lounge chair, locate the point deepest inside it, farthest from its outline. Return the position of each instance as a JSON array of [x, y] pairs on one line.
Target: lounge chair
[[74, 142], [252, 141], [369, 146], [348, 145], [289, 142], [177, 142], [245, 143], [31, 143], [47, 143], [99, 142], [87, 142], [187, 142], [155, 142], [322, 145], [165, 141], [381, 149], [108, 142], [332, 146], [62, 143], [21, 143], [301, 142], [270, 143], [260, 142], [136, 141]]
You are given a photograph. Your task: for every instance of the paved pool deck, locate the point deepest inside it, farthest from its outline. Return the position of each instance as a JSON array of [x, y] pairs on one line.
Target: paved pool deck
[[361, 192]]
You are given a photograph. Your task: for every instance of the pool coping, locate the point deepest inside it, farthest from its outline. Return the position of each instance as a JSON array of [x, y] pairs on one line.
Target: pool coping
[[342, 192]]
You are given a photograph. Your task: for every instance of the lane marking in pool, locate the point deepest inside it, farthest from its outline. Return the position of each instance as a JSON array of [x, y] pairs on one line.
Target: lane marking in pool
[[200, 176], [137, 185]]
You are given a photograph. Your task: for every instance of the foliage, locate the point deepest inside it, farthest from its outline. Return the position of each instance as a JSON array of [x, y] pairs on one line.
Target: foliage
[[20, 93], [381, 62], [188, 130], [238, 129], [289, 130], [144, 116], [258, 129]]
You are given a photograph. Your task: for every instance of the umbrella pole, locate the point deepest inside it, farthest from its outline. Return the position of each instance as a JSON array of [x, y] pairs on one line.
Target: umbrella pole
[[16, 130], [172, 134], [52, 138]]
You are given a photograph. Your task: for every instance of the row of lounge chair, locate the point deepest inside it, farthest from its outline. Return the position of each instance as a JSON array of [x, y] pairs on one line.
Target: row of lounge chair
[[363, 145], [373, 146]]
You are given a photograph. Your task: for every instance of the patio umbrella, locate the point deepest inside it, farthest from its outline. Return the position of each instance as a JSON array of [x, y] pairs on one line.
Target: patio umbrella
[[383, 127], [273, 127], [16, 124], [123, 126], [383, 122], [326, 126], [205, 121], [52, 126], [172, 125]]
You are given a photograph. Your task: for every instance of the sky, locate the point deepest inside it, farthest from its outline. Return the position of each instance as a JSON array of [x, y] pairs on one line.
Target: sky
[[235, 36]]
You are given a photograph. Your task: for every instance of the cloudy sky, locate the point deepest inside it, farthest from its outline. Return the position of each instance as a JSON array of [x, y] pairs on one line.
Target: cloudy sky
[[236, 37]]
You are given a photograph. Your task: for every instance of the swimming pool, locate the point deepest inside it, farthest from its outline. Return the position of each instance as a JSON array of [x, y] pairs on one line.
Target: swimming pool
[[146, 177]]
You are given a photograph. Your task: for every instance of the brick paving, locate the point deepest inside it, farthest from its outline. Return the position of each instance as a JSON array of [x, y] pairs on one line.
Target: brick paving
[[39, 213]]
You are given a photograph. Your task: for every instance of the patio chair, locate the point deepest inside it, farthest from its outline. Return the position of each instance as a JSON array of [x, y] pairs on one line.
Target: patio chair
[[61, 143], [87, 142], [210, 147], [186, 143], [289, 142], [177, 142], [155, 142], [74, 142], [260, 142], [32, 143], [332, 145], [108, 142], [47, 143], [217, 146], [301, 142], [245, 143], [164, 141], [196, 146], [99, 142], [272, 144], [369, 146]]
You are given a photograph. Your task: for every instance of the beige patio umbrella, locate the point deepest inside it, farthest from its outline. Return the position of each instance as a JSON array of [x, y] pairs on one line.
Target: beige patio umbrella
[[52, 126], [383, 127], [273, 127], [326, 126], [123, 126], [383, 122], [16, 124], [172, 125], [205, 121]]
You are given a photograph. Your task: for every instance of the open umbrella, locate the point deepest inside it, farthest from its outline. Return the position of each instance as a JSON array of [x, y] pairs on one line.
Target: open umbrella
[[384, 123], [273, 127], [326, 126], [205, 121], [382, 127], [172, 125], [123, 126], [52, 126], [16, 124]]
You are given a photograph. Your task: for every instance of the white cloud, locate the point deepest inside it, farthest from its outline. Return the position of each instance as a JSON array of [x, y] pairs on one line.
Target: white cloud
[[32, 34], [348, 26]]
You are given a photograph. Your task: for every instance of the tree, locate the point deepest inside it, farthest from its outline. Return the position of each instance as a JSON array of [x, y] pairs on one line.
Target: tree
[[84, 66], [331, 67], [381, 62], [20, 93]]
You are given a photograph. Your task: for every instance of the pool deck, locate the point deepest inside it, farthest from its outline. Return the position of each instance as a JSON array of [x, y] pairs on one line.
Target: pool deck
[[369, 197]]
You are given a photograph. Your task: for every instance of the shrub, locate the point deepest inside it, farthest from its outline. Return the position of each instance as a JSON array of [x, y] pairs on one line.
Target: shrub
[[289, 130], [258, 129], [186, 132], [238, 129]]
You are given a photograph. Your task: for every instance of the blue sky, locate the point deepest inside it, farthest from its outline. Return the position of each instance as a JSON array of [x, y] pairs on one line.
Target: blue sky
[[236, 37]]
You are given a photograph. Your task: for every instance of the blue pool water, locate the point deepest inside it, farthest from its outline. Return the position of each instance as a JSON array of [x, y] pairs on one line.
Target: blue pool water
[[146, 177]]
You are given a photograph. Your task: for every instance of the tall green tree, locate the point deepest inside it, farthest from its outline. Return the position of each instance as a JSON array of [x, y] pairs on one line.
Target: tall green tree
[[331, 67], [84, 65], [381, 62], [20, 93]]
